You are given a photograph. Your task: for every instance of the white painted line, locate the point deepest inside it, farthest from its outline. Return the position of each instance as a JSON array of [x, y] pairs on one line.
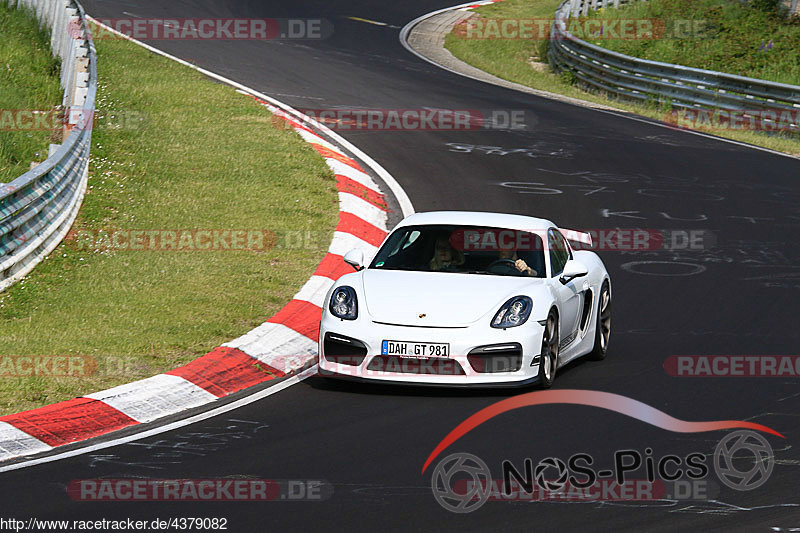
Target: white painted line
[[356, 175], [15, 442], [314, 290], [279, 346], [344, 242], [289, 363], [316, 139], [475, 5], [158, 396], [270, 339], [374, 22], [168, 427], [350, 203]]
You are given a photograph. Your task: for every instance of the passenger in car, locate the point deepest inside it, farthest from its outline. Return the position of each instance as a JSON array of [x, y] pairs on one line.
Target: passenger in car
[[445, 256]]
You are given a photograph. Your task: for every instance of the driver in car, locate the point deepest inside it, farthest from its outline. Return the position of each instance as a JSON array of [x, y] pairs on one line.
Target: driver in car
[[519, 264], [445, 256]]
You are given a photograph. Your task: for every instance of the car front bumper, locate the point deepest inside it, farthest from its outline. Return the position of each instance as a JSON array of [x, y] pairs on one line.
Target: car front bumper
[[459, 369]]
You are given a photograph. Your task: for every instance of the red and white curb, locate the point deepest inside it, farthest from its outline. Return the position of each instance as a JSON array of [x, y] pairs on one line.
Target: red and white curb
[[283, 345], [470, 7], [288, 340]]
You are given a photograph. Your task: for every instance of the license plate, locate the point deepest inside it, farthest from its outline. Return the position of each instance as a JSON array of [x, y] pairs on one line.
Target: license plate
[[415, 349]]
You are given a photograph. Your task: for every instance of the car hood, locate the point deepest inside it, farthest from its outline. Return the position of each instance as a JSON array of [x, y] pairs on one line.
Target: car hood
[[445, 299]]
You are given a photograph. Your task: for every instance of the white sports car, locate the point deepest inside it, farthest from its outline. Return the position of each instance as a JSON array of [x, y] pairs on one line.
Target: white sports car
[[464, 299]]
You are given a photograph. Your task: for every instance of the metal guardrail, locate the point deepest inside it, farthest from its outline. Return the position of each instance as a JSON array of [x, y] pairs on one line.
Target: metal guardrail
[[38, 208], [652, 81]]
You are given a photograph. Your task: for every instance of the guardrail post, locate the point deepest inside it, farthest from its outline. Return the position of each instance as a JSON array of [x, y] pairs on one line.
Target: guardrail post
[[575, 8], [57, 27]]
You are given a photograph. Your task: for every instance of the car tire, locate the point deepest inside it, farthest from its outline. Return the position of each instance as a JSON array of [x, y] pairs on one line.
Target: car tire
[[602, 332], [548, 361]]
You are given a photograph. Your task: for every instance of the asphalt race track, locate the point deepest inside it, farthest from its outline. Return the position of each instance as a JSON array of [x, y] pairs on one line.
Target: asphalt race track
[[580, 168]]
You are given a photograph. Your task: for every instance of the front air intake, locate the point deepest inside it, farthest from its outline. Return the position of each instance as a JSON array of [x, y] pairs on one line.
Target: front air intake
[[343, 350], [494, 358]]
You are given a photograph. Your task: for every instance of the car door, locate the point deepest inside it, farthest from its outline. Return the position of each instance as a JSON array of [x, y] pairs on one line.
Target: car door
[[569, 294]]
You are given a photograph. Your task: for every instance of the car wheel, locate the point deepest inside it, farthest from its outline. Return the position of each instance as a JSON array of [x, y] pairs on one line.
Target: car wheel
[[603, 328], [548, 361]]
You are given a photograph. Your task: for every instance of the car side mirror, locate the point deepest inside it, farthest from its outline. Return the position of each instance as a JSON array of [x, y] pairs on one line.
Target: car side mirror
[[355, 258], [573, 269]]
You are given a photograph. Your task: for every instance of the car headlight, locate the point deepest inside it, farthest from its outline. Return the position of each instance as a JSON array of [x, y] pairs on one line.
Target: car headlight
[[344, 304], [513, 313]]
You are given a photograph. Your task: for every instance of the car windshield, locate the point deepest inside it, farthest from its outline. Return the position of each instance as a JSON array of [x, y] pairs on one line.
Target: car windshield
[[463, 249]]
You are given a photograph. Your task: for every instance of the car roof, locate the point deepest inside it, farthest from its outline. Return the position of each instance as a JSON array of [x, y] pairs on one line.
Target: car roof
[[478, 218]]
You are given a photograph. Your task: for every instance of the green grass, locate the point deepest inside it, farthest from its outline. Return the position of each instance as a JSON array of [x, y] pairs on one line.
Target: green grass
[[510, 59], [174, 151], [29, 80], [731, 37]]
